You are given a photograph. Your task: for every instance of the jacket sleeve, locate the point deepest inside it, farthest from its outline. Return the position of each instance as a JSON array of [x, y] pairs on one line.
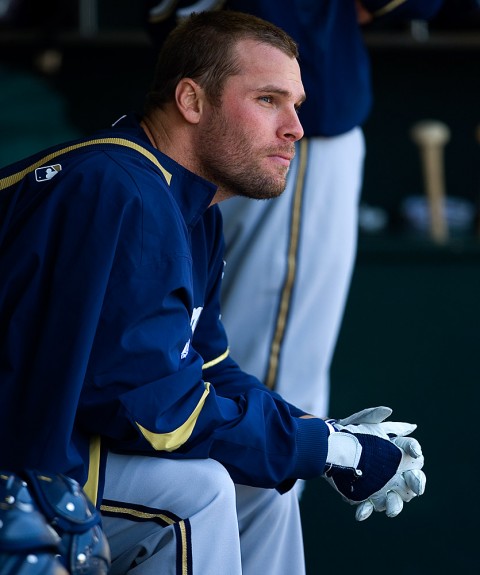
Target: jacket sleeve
[[267, 437]]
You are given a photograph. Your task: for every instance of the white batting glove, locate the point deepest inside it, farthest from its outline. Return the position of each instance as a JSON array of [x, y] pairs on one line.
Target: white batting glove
[[372, 463], [372, 421]]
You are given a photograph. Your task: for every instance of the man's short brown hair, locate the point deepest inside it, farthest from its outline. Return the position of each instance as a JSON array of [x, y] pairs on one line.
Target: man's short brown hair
[[202, 47]]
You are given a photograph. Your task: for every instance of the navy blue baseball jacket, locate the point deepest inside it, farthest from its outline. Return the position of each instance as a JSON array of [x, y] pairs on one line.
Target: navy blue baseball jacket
[[111, 263]]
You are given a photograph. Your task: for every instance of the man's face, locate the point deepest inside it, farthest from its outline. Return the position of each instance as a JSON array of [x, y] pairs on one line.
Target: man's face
[[245, 145]]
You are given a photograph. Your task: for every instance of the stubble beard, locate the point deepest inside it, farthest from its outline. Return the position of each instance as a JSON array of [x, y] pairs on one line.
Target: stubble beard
[[228, 159]]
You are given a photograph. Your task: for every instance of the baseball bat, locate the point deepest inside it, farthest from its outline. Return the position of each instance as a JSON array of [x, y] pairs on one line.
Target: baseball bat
[[431, 137]]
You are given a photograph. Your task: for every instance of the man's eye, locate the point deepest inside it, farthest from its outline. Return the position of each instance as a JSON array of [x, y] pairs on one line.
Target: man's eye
[[267, 99]]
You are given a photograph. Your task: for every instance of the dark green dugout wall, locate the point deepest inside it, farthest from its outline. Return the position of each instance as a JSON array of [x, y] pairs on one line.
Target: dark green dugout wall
[[410, 335], [409, 340]]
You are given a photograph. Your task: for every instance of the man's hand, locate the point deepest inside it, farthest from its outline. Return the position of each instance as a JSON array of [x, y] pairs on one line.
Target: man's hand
[[372, 463]]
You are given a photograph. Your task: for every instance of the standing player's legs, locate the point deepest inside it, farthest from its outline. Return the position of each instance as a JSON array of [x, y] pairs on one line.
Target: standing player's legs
[[270, 532], [326, 256], [288, 274], [165, 517]]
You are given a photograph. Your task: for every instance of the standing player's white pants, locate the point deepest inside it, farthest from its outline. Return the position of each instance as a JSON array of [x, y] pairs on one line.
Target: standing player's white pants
[[288, 268], [167, 517]]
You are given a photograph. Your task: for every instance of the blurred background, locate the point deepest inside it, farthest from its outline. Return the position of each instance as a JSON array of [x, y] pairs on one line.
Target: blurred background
[[410, 334]]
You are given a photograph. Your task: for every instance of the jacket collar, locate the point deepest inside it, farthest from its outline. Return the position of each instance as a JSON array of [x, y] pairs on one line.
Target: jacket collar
[[192, 193]]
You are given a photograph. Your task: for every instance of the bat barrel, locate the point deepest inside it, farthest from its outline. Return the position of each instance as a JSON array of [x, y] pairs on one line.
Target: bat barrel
[[431, 137]]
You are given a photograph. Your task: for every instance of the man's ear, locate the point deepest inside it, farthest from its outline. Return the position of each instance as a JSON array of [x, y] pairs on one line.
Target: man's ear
[[190, 99]]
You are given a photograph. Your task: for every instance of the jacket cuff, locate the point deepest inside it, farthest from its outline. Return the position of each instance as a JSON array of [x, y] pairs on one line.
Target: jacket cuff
[[312, 448]]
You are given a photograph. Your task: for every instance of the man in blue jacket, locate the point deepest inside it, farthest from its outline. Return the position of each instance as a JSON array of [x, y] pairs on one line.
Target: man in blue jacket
[[114, 366]]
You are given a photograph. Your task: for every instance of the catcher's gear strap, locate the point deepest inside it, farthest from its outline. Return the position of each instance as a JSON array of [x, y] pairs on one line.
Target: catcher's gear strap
[[29, 564], [49, 517], [22, 527], [63, 502]]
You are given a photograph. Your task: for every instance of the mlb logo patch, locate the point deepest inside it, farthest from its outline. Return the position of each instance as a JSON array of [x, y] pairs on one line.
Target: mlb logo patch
[[47, 172]]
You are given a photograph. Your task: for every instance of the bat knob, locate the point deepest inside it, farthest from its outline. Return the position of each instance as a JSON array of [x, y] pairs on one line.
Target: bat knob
[[430, 133]]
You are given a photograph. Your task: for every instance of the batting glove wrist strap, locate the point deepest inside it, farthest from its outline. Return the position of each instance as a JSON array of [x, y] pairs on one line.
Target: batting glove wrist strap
[[358, 465]]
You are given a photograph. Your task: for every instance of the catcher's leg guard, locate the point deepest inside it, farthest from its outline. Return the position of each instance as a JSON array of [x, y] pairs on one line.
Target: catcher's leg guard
[[83, 546], [30, 564], [28, 545], [48, 526]]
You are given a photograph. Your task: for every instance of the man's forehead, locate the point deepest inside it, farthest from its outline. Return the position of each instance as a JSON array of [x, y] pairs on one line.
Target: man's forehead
[[249, 50], [268, 64]]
